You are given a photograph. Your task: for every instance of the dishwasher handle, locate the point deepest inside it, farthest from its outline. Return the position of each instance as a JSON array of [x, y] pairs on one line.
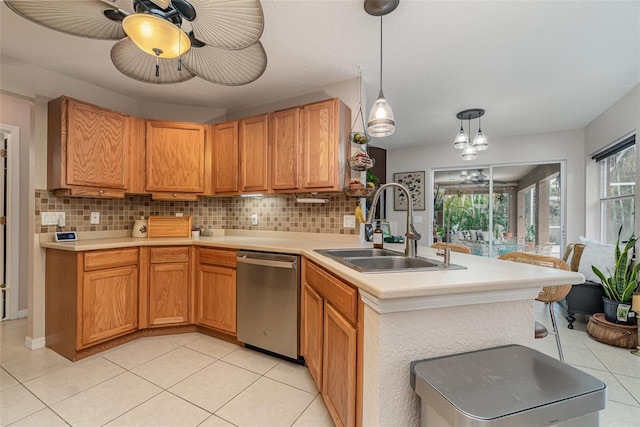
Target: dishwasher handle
[[266, 262]]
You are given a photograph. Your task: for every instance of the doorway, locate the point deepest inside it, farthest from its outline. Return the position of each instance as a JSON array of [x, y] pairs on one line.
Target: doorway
[[9, 221]]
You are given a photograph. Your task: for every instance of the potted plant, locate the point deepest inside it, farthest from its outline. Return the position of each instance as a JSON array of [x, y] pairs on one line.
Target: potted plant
[[620, 284]]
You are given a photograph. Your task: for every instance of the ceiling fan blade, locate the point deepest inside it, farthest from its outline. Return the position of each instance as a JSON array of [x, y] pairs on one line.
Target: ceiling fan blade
[[228, 24], [78, 18], [135, 63], [227, 67]]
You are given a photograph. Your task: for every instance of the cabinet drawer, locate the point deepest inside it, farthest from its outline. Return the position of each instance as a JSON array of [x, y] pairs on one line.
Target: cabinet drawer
[[97, 260], [218, 257], [169, 254], [341, 296]]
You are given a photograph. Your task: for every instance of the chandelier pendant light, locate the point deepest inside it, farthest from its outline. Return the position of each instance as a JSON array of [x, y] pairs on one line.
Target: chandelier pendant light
[[381, 122], [462, 142]]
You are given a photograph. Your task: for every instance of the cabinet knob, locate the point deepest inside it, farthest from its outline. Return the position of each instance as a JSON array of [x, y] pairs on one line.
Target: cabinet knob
[[101, 191], [175, 195]]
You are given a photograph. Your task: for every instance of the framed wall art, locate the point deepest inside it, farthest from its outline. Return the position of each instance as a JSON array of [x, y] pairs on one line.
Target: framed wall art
[[414, 181]]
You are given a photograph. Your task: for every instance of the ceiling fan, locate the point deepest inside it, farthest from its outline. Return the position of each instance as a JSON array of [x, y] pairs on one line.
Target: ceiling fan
[[165, 41], [478, 178]]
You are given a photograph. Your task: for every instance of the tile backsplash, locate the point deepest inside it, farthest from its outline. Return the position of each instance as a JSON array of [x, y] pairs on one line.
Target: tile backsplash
[[275, 213]]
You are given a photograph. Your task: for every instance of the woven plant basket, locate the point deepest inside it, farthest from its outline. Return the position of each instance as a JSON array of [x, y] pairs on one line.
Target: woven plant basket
[[611, 333]]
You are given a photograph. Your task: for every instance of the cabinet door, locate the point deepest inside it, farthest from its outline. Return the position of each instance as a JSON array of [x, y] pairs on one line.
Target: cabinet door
[[109, 303], [254, 154], [285, 153], [175, 157], [225, 158], [216, 297], [97, 146], [319, 145], [312, 332], [168, 293], [339, 368]]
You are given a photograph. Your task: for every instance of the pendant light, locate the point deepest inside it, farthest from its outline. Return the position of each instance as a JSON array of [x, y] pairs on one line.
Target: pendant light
[[381, 121], [462, 142]]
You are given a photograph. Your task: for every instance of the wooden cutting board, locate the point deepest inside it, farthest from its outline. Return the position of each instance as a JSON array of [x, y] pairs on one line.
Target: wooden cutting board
[[169, 226]]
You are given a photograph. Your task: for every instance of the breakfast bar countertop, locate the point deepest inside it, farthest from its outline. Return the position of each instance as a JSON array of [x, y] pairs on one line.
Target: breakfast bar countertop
[[480, 275]]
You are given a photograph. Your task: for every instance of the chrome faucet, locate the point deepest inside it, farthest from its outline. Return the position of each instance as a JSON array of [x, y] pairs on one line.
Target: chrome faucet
[[446, 252], [411, 236]]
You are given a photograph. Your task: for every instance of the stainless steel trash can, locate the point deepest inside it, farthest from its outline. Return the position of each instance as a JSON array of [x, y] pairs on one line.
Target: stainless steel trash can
[[505, 386]]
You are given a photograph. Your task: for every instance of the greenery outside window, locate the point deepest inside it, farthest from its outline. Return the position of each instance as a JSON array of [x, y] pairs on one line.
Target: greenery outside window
[[617, 189]]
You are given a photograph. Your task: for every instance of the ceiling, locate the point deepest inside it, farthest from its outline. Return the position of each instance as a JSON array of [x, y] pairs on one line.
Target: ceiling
[[533, 66]]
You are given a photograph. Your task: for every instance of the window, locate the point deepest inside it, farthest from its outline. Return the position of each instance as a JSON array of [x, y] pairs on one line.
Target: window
[[617, 189]]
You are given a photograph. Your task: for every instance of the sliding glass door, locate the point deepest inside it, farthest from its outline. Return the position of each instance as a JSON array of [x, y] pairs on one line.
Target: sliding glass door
[[500, 208]]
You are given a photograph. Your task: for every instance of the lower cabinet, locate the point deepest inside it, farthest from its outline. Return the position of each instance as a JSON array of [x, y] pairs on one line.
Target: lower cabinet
[[216, 289], [169, 280], [90, 297], [329, 340]]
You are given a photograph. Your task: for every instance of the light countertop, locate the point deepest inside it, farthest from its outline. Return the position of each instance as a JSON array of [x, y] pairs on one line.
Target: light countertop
[[481, 274]]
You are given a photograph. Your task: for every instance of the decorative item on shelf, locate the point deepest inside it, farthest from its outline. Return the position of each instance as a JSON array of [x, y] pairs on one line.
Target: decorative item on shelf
[[361, 162], [357, 188], [381, 121], [462, 142], [620, 285]]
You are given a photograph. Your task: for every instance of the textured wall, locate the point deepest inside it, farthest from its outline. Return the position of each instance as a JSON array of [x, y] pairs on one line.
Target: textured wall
[[275, 213]]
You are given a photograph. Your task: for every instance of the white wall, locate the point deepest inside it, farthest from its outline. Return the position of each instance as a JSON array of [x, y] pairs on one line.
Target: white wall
[[544, 147], [618, 121]]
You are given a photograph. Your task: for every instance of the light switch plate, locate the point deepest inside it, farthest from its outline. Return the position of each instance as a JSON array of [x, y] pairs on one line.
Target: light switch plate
[[417, 219], [349, 221], [254, 219]]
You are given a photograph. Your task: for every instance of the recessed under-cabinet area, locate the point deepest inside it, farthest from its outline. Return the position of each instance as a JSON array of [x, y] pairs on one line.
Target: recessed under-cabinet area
[[96, 152]]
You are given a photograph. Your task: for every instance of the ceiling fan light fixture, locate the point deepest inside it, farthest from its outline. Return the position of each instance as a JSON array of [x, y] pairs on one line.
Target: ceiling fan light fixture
[[156, 36]]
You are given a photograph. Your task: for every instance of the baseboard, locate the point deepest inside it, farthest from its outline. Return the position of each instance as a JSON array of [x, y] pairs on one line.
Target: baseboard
[[23, 313], [34, 344]]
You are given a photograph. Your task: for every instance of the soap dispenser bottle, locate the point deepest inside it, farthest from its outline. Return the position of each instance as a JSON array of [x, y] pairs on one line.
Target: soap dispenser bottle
[[378, 241]]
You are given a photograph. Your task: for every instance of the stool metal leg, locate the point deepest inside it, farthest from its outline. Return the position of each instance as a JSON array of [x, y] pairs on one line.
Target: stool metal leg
[[555, 331]]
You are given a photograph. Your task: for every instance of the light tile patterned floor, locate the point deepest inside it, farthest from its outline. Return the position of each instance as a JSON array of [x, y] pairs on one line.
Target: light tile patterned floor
[[196, 380]]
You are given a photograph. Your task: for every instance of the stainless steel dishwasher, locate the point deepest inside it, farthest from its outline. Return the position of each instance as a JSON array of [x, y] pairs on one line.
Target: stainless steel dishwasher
[[268, 301]]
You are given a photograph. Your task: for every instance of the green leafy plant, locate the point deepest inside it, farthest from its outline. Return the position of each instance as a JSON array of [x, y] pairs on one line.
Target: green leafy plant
[[620, 285], [531, 233]]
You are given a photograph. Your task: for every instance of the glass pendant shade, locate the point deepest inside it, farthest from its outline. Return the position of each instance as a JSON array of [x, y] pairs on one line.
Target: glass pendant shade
[[461, 140], [381, 122], [469, 153], [156, 36], [480, 141]]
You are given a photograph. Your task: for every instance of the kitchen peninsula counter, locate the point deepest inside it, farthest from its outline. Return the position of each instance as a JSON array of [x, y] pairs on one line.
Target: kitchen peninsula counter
[[404, 316]]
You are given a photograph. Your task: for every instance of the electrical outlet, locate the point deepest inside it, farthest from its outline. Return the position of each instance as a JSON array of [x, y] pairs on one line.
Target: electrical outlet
[[417, 219], [95, 218], [254, 219], [349, 221]]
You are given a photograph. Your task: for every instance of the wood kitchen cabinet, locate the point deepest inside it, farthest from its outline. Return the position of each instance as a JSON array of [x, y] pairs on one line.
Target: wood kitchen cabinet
[[87, 149], [285, 149], [330, 340], [310, 146], [175, 159], [226, 155], [169, 286], [254, 154], [216, 289], [90, 297]]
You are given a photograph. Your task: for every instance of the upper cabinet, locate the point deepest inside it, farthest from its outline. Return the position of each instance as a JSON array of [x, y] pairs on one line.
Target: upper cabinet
[[254, 154], [325, 145], [88, 149], [285, 149], [175, 159], [225, 158], [310, 147]]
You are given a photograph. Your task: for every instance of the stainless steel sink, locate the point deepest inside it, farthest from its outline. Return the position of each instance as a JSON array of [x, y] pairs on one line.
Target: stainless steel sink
[[359, 252], [367, 260]]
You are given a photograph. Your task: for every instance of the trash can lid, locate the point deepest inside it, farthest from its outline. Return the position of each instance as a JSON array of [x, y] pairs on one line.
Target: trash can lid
[[497, 382]]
